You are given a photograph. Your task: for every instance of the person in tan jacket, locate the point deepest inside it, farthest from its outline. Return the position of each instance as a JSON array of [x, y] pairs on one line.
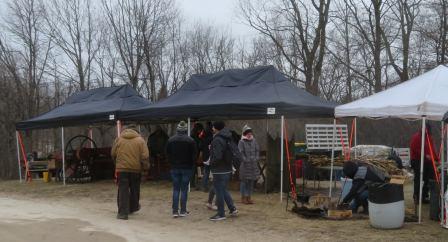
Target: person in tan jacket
[[131, 156]]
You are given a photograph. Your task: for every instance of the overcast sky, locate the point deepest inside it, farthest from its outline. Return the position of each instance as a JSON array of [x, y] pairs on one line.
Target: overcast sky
[[221, 13]]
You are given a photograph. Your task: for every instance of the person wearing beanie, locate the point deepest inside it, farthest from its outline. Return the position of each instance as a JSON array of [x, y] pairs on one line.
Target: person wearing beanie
[[249, 170], [131, 156], [361, 174], [181, 152], [221, 168]]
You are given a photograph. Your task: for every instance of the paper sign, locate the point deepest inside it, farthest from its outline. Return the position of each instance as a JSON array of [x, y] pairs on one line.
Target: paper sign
[[271, 111], [111, 116]]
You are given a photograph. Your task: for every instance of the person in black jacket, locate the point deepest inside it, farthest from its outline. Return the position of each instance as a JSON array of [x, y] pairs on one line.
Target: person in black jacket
[[221, 167], [181, 151], [362, 175]]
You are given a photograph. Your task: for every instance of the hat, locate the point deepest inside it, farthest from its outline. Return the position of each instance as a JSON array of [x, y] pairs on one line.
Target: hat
[[246, 129], [182, 126], [131, 126], [219, 125]]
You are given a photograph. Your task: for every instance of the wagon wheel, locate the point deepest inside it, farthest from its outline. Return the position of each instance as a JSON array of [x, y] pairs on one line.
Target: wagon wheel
[[78, 159]]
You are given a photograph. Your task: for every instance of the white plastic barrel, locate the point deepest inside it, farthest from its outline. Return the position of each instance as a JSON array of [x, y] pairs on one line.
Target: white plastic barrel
[[386, 206]]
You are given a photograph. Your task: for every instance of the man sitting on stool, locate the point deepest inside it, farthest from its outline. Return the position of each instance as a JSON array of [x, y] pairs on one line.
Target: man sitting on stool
[[362, 175]]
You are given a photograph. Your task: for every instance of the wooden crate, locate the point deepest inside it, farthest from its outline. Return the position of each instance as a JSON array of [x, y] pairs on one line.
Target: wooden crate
[[339, 214]]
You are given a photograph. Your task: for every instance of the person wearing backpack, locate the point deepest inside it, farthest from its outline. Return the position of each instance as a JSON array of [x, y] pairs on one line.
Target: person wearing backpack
[[249, 171], [221, 159]]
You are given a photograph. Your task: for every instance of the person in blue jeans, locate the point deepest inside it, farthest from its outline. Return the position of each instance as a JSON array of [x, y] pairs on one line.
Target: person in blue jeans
[[181, 151], [221, 167]]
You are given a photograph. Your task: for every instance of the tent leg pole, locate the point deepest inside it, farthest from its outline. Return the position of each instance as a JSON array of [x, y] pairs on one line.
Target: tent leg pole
[[332, 157], [267, 145], [189, 134], [356, 134], [422, 156], [189, 126], [63, 155], [443, 181], [118, 128], [442, 192], [91, 137], [18, 155], [281, 155]]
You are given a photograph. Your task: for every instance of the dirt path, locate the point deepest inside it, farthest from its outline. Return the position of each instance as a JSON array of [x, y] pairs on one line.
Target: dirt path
[[50, 212]]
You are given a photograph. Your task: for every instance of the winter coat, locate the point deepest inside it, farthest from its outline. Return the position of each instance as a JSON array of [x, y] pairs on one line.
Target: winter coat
[[181, 151], [250, 151], [130, 152], [220, 153]]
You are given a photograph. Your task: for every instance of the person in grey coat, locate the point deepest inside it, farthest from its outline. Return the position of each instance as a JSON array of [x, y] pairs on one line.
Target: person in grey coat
[[249, 170]]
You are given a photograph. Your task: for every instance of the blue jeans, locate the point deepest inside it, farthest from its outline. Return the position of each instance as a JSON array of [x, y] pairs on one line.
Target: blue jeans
[[360, 200], [205, 178], [220, 182], [181, 179], [246, 187]]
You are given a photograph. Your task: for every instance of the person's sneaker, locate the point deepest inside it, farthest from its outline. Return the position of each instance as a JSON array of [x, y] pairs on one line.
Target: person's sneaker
[[175, 214], [184, 214], [211, 206], [121, 216], [217, 218], [234, 212]]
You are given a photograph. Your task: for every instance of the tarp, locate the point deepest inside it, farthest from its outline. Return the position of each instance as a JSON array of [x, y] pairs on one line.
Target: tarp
[[424, 95], [237, 94], [89, 107]]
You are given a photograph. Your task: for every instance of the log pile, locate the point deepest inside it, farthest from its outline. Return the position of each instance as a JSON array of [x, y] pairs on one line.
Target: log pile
[[323, 160], [385, 165]]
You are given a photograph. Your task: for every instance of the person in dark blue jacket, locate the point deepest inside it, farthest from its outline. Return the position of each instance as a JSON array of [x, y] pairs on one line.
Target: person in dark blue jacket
[[182, 153]]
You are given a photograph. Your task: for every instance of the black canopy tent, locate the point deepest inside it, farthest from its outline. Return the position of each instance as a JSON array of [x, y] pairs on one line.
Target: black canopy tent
[[88, 107], [236, 94], [100, 105], [255, 93]]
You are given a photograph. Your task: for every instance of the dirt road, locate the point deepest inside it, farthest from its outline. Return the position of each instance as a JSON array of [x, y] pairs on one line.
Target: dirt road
[[86, 212]]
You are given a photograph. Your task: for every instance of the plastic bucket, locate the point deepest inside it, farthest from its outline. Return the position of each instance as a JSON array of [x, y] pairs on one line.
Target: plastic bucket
[[386, 205], [46, 176]]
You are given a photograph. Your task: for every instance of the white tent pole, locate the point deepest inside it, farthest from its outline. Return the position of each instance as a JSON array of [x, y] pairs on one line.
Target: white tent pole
[[63, 154], [332, 156], [18, 156], [118, 128], [91, 136], [442, 192], [422, 156], [189, 134], [189, 127], [281, 155], [356, 136], [443, 178]]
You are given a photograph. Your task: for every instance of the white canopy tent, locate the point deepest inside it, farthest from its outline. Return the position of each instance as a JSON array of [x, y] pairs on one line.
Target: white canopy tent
[[423, 97]]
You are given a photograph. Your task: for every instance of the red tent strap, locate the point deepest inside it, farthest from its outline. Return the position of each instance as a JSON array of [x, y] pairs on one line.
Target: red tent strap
[[441, 143], [28, 174], [433, 161], [351, 139], [291, 182]]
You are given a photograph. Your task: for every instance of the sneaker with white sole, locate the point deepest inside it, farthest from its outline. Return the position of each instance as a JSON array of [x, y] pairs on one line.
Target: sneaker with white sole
[[234, 212], [217, 217], [184, 214], [175, 214], [211, 206]]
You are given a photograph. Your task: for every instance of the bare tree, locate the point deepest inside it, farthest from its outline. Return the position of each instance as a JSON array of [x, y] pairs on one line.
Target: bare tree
[[297, 28], [71, 25]]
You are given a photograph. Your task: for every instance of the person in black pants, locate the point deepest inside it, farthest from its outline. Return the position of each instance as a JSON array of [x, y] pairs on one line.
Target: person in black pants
[[131, 156]]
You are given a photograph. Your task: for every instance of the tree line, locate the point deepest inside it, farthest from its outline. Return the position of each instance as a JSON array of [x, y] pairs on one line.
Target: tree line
[[341, 50]]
